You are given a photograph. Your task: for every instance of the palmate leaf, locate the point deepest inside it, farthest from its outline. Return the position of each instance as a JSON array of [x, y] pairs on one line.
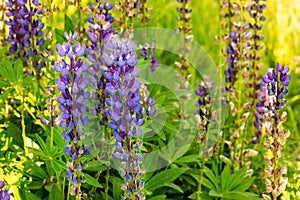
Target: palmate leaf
[[159, 197], [163, 178], [92, 181], [55, 193], [69, 25], [212, 178], [226, 178]]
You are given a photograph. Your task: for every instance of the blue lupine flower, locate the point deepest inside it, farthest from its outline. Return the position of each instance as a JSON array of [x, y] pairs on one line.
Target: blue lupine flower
[[147, 52], [100, 31], [25, 32], [4, 195], [204, 103], [125, 108], [273, 88], [72, 84], [232, 52]]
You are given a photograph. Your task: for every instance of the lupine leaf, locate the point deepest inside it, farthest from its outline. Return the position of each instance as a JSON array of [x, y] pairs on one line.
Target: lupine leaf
[[245, 184], [225, 178], [163, 177], [69, 26], [212, 178], [236, 179], [160, 197], [175, 187], [95, 165], [92, 181], [55, 193]]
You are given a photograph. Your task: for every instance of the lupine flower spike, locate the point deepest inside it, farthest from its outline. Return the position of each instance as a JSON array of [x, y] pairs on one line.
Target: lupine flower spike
[[205, 115], [72, 84], [100, 31], [143, 11], [274, 87], [4, 195], [127, 8], [147, 52], [126, 112], [25, 32], [184, 27]]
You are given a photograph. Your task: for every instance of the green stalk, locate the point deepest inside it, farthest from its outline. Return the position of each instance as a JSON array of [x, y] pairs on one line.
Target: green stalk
[[79, 19], [23, 123], [201, 178], [69, 188]]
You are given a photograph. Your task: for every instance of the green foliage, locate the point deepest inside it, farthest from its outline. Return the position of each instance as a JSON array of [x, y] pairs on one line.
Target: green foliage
[[40, 175]]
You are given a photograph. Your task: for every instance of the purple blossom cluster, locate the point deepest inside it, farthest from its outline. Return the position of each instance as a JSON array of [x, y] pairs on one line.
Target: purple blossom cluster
[[25, 32], [232, 58], [100, 23], [147, 52], [4, 195], [256, 12], [273, 90], [273, 87], [100, 31], [72, 85], [126, 111], [204, 106]]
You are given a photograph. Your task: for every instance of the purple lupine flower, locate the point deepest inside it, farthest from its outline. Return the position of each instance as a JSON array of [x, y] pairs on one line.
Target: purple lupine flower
[[100, 24], [72, 84], [100, 31], [147, 52], [4, 195], [273, 90], [204, 107], [25, 32], [232, 52], [125, 110]]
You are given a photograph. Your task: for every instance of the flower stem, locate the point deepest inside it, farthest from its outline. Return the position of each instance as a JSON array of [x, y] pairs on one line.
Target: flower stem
[[201, 178], [23, 123]]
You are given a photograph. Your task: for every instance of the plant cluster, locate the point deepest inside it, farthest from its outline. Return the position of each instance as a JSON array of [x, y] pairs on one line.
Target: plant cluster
[[89, 112]]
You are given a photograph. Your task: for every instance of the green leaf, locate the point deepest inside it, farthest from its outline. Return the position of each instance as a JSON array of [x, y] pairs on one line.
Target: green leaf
[[208, 184], [55, 193], [18, 68], [58, 165], [164, 177], [42, 144], [214, 193], [30, 196], [69, 25], [117, 191], [35, 185], [236, 179], [36, 170], [245, 184], [175, 187], [225, 178], [92, 181], [3, 83], [212, 178], [95, 165], [15, 132], [189, 158], [59, 35], [159, 197], [6, 71], [240, 195]]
